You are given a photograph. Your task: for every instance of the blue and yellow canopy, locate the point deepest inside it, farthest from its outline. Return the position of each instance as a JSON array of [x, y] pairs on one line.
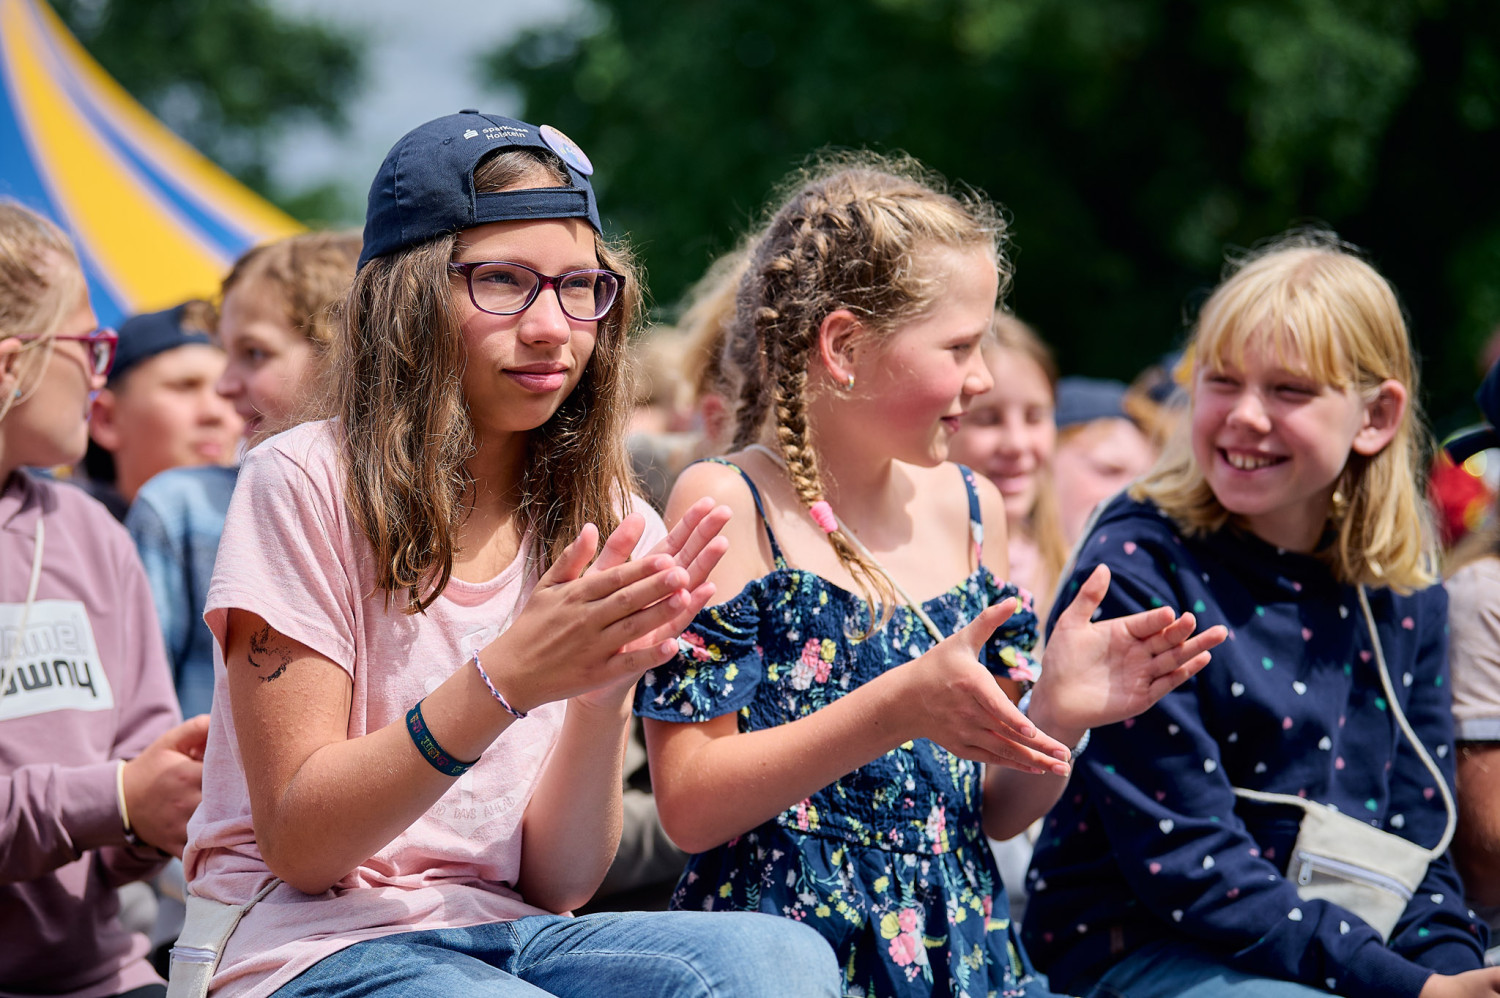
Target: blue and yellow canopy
[[154, 222]]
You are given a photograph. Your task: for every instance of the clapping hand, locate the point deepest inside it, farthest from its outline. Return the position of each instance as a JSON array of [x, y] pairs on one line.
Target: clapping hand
[[1100, 672], [954, 701], [590, 630], [694, 545]]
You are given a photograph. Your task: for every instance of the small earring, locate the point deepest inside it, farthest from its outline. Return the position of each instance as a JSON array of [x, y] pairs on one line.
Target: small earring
[[1338, 506], [849, 385], [16, 394]]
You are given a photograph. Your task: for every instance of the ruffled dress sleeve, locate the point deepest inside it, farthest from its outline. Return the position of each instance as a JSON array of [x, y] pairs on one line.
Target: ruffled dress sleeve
[[719, 663]]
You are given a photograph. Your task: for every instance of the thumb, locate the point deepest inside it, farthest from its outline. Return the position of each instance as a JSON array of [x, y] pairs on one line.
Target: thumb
[[190, 736], [575, 558], [979, 630], [1090, 595]]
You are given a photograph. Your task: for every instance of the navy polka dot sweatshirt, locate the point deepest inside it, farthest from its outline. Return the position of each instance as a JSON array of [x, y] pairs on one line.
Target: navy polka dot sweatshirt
[[1149, 843]]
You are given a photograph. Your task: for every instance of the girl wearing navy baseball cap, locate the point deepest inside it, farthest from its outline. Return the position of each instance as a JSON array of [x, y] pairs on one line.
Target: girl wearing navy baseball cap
[[427, 652]]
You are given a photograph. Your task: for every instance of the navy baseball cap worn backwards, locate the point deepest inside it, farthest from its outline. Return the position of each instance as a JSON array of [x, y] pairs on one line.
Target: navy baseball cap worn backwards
[[425, 187], [144, 336]]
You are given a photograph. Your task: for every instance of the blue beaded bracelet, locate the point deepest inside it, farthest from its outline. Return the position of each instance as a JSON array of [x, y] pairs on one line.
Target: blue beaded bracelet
[[430, 749], [1024, 706]]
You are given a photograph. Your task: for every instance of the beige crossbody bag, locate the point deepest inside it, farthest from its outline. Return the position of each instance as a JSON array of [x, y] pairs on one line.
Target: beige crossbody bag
[[1353, 864], [206, 928]]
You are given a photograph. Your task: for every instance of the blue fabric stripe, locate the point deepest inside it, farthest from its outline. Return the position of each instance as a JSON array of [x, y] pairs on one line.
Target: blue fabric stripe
[[21, 180], [211, 230]]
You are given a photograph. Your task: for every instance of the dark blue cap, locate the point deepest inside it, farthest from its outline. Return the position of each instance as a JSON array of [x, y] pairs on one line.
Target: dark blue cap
[[425, 187], [1164, 389], [1465, 445], [1083, 400], [144, 336]]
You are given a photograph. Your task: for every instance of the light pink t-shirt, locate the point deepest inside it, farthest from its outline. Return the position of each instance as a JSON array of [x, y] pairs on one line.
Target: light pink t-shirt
[[291, 554]]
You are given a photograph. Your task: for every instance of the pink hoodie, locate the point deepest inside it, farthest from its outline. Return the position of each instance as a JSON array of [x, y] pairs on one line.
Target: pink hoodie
[[90, 686]]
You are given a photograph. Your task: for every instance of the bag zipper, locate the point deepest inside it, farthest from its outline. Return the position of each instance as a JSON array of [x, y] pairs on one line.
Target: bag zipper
[[193, 954], [1311, 861]]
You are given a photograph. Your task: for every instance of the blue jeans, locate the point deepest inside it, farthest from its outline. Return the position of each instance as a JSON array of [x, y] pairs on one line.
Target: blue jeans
[[691, 954], [1180, 970]]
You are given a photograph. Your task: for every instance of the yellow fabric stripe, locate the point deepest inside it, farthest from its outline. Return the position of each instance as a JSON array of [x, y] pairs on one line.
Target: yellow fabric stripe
[[148, 256], [157, 143]]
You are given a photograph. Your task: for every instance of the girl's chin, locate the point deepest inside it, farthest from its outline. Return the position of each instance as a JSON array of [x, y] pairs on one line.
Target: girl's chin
[[1018, 505], [1237, 503]]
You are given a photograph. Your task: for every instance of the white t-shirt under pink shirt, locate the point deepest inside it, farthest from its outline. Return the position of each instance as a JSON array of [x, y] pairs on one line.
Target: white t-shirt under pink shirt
[[292, 555]]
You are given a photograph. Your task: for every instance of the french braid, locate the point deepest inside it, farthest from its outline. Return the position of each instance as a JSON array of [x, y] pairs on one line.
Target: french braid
[[847, 237]]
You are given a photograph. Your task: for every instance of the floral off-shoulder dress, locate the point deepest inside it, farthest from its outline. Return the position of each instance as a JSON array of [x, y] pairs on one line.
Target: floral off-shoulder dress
[[890, 862]]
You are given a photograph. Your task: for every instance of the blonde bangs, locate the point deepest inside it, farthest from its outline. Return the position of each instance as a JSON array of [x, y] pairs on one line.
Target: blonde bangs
[[1327, 315], [1299, 300]]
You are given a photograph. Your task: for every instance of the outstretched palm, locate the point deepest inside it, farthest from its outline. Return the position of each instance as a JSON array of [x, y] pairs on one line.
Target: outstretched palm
[[1099, 672]]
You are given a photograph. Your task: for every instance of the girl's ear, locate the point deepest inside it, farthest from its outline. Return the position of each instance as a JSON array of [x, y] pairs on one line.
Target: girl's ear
[[104, 428], [717, 418], [10, 352], [1382, 419], [838, 337]]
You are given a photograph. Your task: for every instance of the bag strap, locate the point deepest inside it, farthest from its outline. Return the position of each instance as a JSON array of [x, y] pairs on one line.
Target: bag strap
[[205, 931], [1401, 722], [1406, 729]]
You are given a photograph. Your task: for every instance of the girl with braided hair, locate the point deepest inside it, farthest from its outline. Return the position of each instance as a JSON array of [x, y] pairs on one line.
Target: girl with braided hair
[[817, 740]]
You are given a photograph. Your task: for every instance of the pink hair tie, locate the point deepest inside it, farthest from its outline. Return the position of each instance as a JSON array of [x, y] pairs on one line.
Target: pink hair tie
[[822, 515]]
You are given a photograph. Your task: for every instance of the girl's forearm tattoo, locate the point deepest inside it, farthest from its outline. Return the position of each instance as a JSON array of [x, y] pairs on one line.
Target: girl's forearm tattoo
[[263, 655]]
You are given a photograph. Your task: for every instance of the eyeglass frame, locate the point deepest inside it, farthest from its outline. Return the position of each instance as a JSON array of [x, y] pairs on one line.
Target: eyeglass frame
[[99, 334], [543, 280]]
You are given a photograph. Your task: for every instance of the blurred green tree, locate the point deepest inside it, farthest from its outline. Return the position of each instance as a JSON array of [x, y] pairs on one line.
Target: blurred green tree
[[228, 78], [1132, 141]]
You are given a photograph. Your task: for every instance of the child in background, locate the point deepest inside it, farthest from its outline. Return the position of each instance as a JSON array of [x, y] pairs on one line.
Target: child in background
[[97, 775], [1100, 449], [1295, 486], [705, 322], [159, 409], [684, 366], [816, 742], [659, 439], [1474, 620], [1009, 435], [414, 765], [276, 326]]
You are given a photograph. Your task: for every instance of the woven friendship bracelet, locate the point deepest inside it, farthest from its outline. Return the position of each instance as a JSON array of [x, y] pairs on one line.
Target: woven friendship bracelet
[[499, 697], [430, 749]]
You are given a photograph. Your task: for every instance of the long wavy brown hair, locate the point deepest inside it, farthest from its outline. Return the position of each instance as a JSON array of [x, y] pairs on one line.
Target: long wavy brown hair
[[407, 436], [848, 236]]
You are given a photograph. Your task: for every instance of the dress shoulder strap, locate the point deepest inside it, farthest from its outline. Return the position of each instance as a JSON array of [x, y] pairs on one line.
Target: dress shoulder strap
[[759, 508], [976, 520]]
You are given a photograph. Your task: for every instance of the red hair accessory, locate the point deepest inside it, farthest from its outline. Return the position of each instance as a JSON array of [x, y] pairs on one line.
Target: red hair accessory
[[822, 515]]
